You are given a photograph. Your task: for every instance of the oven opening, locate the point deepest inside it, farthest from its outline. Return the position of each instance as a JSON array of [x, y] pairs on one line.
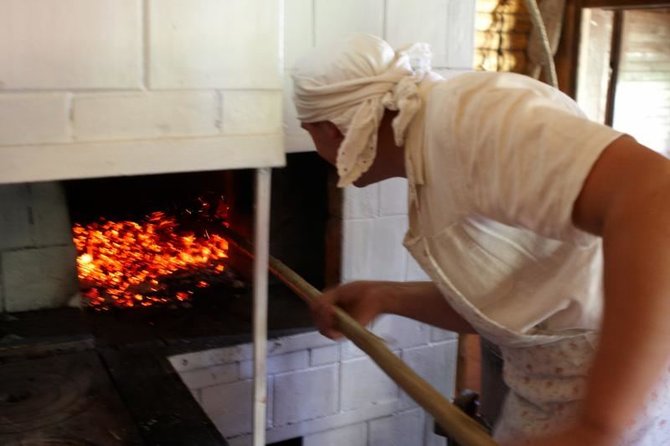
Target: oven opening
[[155, 249]]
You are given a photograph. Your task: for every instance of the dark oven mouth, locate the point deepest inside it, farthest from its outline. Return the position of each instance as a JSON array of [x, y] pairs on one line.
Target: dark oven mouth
[[155, 250]]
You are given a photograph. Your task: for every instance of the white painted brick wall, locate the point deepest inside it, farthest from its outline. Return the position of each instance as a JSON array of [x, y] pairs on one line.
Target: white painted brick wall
[[278, 364], [250, 112], [33, 118], [354, 435], [305, 395], [402, 429], [211, 376], [364, 384], [447, 25], [78, 73], [106, 117], [55, 266], [225, 405], [70, 44], [335, 19], [218, 61], [324, 355]]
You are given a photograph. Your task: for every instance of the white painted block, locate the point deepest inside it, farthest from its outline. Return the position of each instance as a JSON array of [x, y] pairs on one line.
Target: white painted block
[[232, 44], [357, 255], [33, 118], [303, 341], [229, 407], [402, 429], [364, 384], [15, 227], [298, 29], [278, 364], [461, 33], [70, 44], [208, 358], [354, 435], [335, 19], [119, 116], [211, 376], [349, 350], [50, 217], [295, 138], [436, 363], [40, 278], [438, 335], [413, 272], [393, 197], [252, 112], [361, 202], [401, 332], [138, 157], [305, 395], [409, 21], [324, 355], [390, 256]]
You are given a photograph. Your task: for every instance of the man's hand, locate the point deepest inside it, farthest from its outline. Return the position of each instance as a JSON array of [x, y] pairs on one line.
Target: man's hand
[[366, 300], [363, 301]]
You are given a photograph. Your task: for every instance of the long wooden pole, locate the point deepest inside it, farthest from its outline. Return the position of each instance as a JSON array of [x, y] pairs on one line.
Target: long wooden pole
[[458, 425]]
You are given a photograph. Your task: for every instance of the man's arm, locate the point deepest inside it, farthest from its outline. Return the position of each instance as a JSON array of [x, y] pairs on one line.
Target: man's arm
[[365, 300], [626, 200]]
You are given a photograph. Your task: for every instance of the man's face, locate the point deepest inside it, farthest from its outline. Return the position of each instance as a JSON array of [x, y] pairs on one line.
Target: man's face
[[327, 139]]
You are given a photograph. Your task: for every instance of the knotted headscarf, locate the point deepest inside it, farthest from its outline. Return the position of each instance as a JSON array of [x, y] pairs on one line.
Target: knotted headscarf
[[351, 83]]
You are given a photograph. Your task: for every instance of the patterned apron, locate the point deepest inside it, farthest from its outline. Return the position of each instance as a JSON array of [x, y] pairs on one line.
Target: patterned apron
[[546, 373]]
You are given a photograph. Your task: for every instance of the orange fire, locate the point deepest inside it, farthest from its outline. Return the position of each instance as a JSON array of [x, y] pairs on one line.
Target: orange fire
[[131, 264]]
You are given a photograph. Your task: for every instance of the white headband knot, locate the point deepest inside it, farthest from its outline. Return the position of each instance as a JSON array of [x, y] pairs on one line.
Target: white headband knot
[[351, 84]]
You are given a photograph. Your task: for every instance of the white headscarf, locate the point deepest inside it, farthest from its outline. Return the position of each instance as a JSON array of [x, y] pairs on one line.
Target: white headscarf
[[350, 83]]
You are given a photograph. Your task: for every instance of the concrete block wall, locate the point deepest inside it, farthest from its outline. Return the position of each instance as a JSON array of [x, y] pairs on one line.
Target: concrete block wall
[[324, 391], [37, 257]]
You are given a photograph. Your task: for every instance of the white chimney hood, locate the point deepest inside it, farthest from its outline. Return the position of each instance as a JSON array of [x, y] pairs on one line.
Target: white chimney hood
[[93, 88]]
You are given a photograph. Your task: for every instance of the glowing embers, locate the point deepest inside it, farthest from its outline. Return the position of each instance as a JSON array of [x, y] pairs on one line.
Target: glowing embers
[[142, 263]]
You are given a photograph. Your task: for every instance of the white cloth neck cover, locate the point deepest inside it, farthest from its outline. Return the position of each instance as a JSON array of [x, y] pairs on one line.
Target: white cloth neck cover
[[351, 83]]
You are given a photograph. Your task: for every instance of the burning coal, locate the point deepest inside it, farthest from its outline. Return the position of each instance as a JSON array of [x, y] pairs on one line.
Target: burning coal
[[153, 261]]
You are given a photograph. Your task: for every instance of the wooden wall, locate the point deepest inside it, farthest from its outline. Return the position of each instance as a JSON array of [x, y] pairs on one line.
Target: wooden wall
[[503, 27]]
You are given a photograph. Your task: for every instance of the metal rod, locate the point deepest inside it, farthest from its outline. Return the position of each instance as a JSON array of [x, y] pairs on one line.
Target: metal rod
[[260, 326], [458, 425]]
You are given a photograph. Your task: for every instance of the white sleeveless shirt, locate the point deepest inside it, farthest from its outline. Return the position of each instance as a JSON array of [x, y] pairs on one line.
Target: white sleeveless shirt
[[495, 164]]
